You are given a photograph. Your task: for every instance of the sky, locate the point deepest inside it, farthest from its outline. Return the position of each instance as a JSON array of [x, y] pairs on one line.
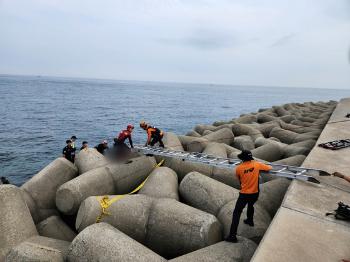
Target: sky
[[299, 43]]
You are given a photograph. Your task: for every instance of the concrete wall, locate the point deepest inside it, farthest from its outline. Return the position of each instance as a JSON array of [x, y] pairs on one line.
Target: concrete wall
[[300, 230]]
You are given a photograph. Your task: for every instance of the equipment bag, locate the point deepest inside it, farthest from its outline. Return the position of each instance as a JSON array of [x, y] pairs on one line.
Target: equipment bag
[[342, 212], [337, 144]]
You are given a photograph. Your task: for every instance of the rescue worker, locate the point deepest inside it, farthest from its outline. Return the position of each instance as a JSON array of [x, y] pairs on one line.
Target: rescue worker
[[84, 145], [4, 181], [154, 134], [73, 139], [340, 175], [69, 151], [102, 147], [119, 142], [248, 174]]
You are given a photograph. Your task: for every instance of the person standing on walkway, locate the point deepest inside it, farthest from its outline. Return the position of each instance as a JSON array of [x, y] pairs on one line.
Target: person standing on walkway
[[154, 135], [248, 174], [340, 175], [68, 151]]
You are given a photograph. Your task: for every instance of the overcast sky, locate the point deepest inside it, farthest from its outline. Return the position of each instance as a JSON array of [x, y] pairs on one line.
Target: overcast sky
[[301, 43]]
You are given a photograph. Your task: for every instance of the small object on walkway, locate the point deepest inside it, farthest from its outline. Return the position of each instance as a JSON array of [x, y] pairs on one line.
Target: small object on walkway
[[336, 144], [342, 212], [348, 115]]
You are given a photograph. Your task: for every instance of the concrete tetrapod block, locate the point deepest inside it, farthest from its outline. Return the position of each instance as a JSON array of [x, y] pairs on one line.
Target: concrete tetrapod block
[[231, 151], [16, 223], [287, 118], [223, 135], [272, 194], [161, 183], [223, 252], [193, 133], [176, 229], [243, 142], [54, 227], [261, 221], [246, 119], [171, 141], [286, 136], [111, 179], [206, 194], [219, 199], [168, 223], [269, 152], [266, 128], [102, 242], [201, 128], [41, 249], [310, 143], [193, 144], [40, 190], [263, 141], [292, 150], [182, 168], [280, 111], [89, 158], [264, 118], [296, 160], [216, 149], [207, 132]]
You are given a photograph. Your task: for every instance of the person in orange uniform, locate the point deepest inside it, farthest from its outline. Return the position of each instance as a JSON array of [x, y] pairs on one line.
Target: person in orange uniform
[[248, 174], [154, 134]]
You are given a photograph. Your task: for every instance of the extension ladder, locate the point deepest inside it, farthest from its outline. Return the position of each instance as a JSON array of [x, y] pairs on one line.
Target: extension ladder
[[293, 172]]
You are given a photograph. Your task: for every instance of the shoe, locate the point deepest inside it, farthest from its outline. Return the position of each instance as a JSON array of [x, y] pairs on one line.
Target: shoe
[[249, 223], [232, 239]]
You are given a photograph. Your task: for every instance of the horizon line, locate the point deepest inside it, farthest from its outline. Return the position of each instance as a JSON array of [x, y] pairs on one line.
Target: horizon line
[[170, 81]]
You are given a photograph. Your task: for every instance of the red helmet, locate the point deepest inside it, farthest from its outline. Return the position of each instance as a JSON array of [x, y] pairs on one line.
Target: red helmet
[[130, 127]]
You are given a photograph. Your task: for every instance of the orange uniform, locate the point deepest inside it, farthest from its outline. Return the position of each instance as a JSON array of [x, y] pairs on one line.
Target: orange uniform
[[248, 174]]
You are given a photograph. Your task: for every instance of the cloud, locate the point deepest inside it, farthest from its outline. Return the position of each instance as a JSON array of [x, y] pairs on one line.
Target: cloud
[[283, 40], [205, 39]]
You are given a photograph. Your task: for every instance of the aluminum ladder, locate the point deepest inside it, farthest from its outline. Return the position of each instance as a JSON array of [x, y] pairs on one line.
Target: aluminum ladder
[[293, 172]]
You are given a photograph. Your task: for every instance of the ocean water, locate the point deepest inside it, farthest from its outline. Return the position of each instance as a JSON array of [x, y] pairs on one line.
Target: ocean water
[[39, 113]]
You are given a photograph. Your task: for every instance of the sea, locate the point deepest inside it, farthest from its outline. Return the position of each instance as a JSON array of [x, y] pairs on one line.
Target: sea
[[39, 113]]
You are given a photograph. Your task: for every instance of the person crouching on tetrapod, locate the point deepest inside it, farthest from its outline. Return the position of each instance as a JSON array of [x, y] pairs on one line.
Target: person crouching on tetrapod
[[154, 134]]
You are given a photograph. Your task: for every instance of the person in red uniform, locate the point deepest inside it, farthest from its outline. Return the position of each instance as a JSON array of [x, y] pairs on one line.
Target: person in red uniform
[[154, 135], [119, 142], [248, 174]]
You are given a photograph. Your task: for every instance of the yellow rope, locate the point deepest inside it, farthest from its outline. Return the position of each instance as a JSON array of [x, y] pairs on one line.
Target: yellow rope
[[105, 201]]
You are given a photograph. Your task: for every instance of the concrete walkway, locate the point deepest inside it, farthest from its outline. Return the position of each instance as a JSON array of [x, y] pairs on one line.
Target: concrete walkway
[[300, 231]]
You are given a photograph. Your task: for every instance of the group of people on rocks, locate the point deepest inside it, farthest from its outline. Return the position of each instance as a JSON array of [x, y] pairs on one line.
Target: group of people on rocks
[[120, 148], [247, 172]]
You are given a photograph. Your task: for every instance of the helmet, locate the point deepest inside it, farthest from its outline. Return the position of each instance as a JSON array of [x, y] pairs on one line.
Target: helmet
[[143, 124], [130, 127], [104, 142]]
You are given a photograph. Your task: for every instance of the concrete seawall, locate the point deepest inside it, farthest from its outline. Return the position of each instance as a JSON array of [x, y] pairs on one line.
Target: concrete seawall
[[300, 231]]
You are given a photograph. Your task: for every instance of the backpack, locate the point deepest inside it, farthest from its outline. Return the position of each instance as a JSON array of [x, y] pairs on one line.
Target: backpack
[[342, 212]]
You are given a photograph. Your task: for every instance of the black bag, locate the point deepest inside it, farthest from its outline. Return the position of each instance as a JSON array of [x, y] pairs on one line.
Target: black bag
[[342, 212]]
